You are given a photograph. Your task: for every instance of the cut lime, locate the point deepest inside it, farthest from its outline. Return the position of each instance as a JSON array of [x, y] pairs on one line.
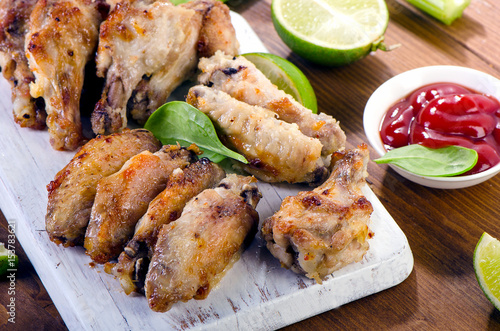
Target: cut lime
[[445, 11], [286, 76], [487, 267], [331, 32], [8, 260]]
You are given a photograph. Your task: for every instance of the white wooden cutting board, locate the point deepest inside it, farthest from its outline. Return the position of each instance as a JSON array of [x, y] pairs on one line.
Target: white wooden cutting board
[[256, 294]]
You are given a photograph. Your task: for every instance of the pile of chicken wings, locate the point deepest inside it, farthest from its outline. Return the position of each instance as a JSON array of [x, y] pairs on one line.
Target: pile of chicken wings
[[142, 49], [166, 222]]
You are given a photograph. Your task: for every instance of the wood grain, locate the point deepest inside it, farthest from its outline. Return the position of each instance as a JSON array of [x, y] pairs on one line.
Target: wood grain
[[442, 226]]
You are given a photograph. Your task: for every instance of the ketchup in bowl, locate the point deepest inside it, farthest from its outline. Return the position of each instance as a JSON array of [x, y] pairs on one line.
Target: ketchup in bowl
[[444, 114]]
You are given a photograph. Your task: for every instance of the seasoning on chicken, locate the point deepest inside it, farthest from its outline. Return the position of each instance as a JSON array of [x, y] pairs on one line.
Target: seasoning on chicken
[[123, 197], [323, 230], [14, 19], [193, 252], [277, 151], [61, 39], [217, 32], [72, 192], [239, 78], [182, 185], [147, 49]]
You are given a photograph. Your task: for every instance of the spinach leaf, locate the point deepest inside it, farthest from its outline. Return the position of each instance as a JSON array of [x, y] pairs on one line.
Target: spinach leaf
[[179, 122], [439, 162]]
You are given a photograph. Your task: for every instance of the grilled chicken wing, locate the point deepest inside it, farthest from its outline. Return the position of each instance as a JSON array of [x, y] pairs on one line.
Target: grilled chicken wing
[[318, 232], [61, 40], [192, 251], [148, 49], [72, 192], [123, 197], [240, 78], [14, 19], [277, 151], [217, 33], [182, 185]]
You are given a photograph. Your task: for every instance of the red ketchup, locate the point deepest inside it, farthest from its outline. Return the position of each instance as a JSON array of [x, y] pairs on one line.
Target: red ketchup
[[444, 114]]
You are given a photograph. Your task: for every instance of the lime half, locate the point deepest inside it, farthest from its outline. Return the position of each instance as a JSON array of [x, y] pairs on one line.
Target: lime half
[[286, 76], [487, 267], [331, 32], [8, 260]]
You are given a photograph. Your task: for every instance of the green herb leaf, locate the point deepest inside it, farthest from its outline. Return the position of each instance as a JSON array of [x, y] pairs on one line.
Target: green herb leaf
[[439, 162], [179, 122]]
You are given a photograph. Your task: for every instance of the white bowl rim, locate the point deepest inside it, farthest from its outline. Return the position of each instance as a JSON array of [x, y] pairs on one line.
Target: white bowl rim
[[405, 83]]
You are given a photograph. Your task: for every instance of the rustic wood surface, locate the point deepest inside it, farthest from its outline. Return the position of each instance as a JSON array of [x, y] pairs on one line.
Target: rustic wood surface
[[442, 226]]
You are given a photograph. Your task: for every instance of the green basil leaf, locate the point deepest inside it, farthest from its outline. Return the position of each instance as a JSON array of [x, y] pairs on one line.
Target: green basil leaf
[[179, 122], [439, 162]]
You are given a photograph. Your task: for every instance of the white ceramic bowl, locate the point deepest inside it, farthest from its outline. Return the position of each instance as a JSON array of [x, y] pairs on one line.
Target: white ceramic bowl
[[400, 86]]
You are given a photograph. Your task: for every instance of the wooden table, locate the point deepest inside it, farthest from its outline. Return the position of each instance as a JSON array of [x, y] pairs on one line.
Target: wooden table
[[442, 226]]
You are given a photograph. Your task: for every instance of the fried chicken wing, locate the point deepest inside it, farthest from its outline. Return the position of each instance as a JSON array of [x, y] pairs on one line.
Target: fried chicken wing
[[277, 151], [182, 185], [123, 197], [192, 252], [62, 38], [240, 78], [147, 49], [72, 192], [217, 33], [14, 19], [323, 230]]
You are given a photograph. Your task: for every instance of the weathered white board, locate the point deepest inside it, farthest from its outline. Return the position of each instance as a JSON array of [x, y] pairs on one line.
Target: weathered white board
[[256, 294]]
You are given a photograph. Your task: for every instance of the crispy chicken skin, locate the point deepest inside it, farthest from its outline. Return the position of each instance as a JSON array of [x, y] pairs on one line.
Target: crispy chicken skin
[[194, 251], [182, 185], [14, 19], [72, 192], [147, 49], [277, 151], [240, 78], [323, 230], [123, 197], [62, 38], [217, 32]]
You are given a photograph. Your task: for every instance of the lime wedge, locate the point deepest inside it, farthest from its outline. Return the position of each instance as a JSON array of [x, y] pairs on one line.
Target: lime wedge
[[331, 32], [7, 260], [445, 11], [487, 267], [286, 76]]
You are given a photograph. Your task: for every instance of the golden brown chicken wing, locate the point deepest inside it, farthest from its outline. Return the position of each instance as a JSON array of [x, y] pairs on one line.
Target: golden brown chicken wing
[[62, 38], [14, 19], [146, 50], [240, 78], [182, 185], [72, 192], [195, 249], [217, 33], [323, 230], [277, 151], [123, 197]]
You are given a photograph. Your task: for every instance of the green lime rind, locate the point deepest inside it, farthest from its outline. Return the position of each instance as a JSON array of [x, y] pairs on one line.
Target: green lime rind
[[320, 52], [8, 260], [432, 162], [286, 76], [487, 267], [446, 11]]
